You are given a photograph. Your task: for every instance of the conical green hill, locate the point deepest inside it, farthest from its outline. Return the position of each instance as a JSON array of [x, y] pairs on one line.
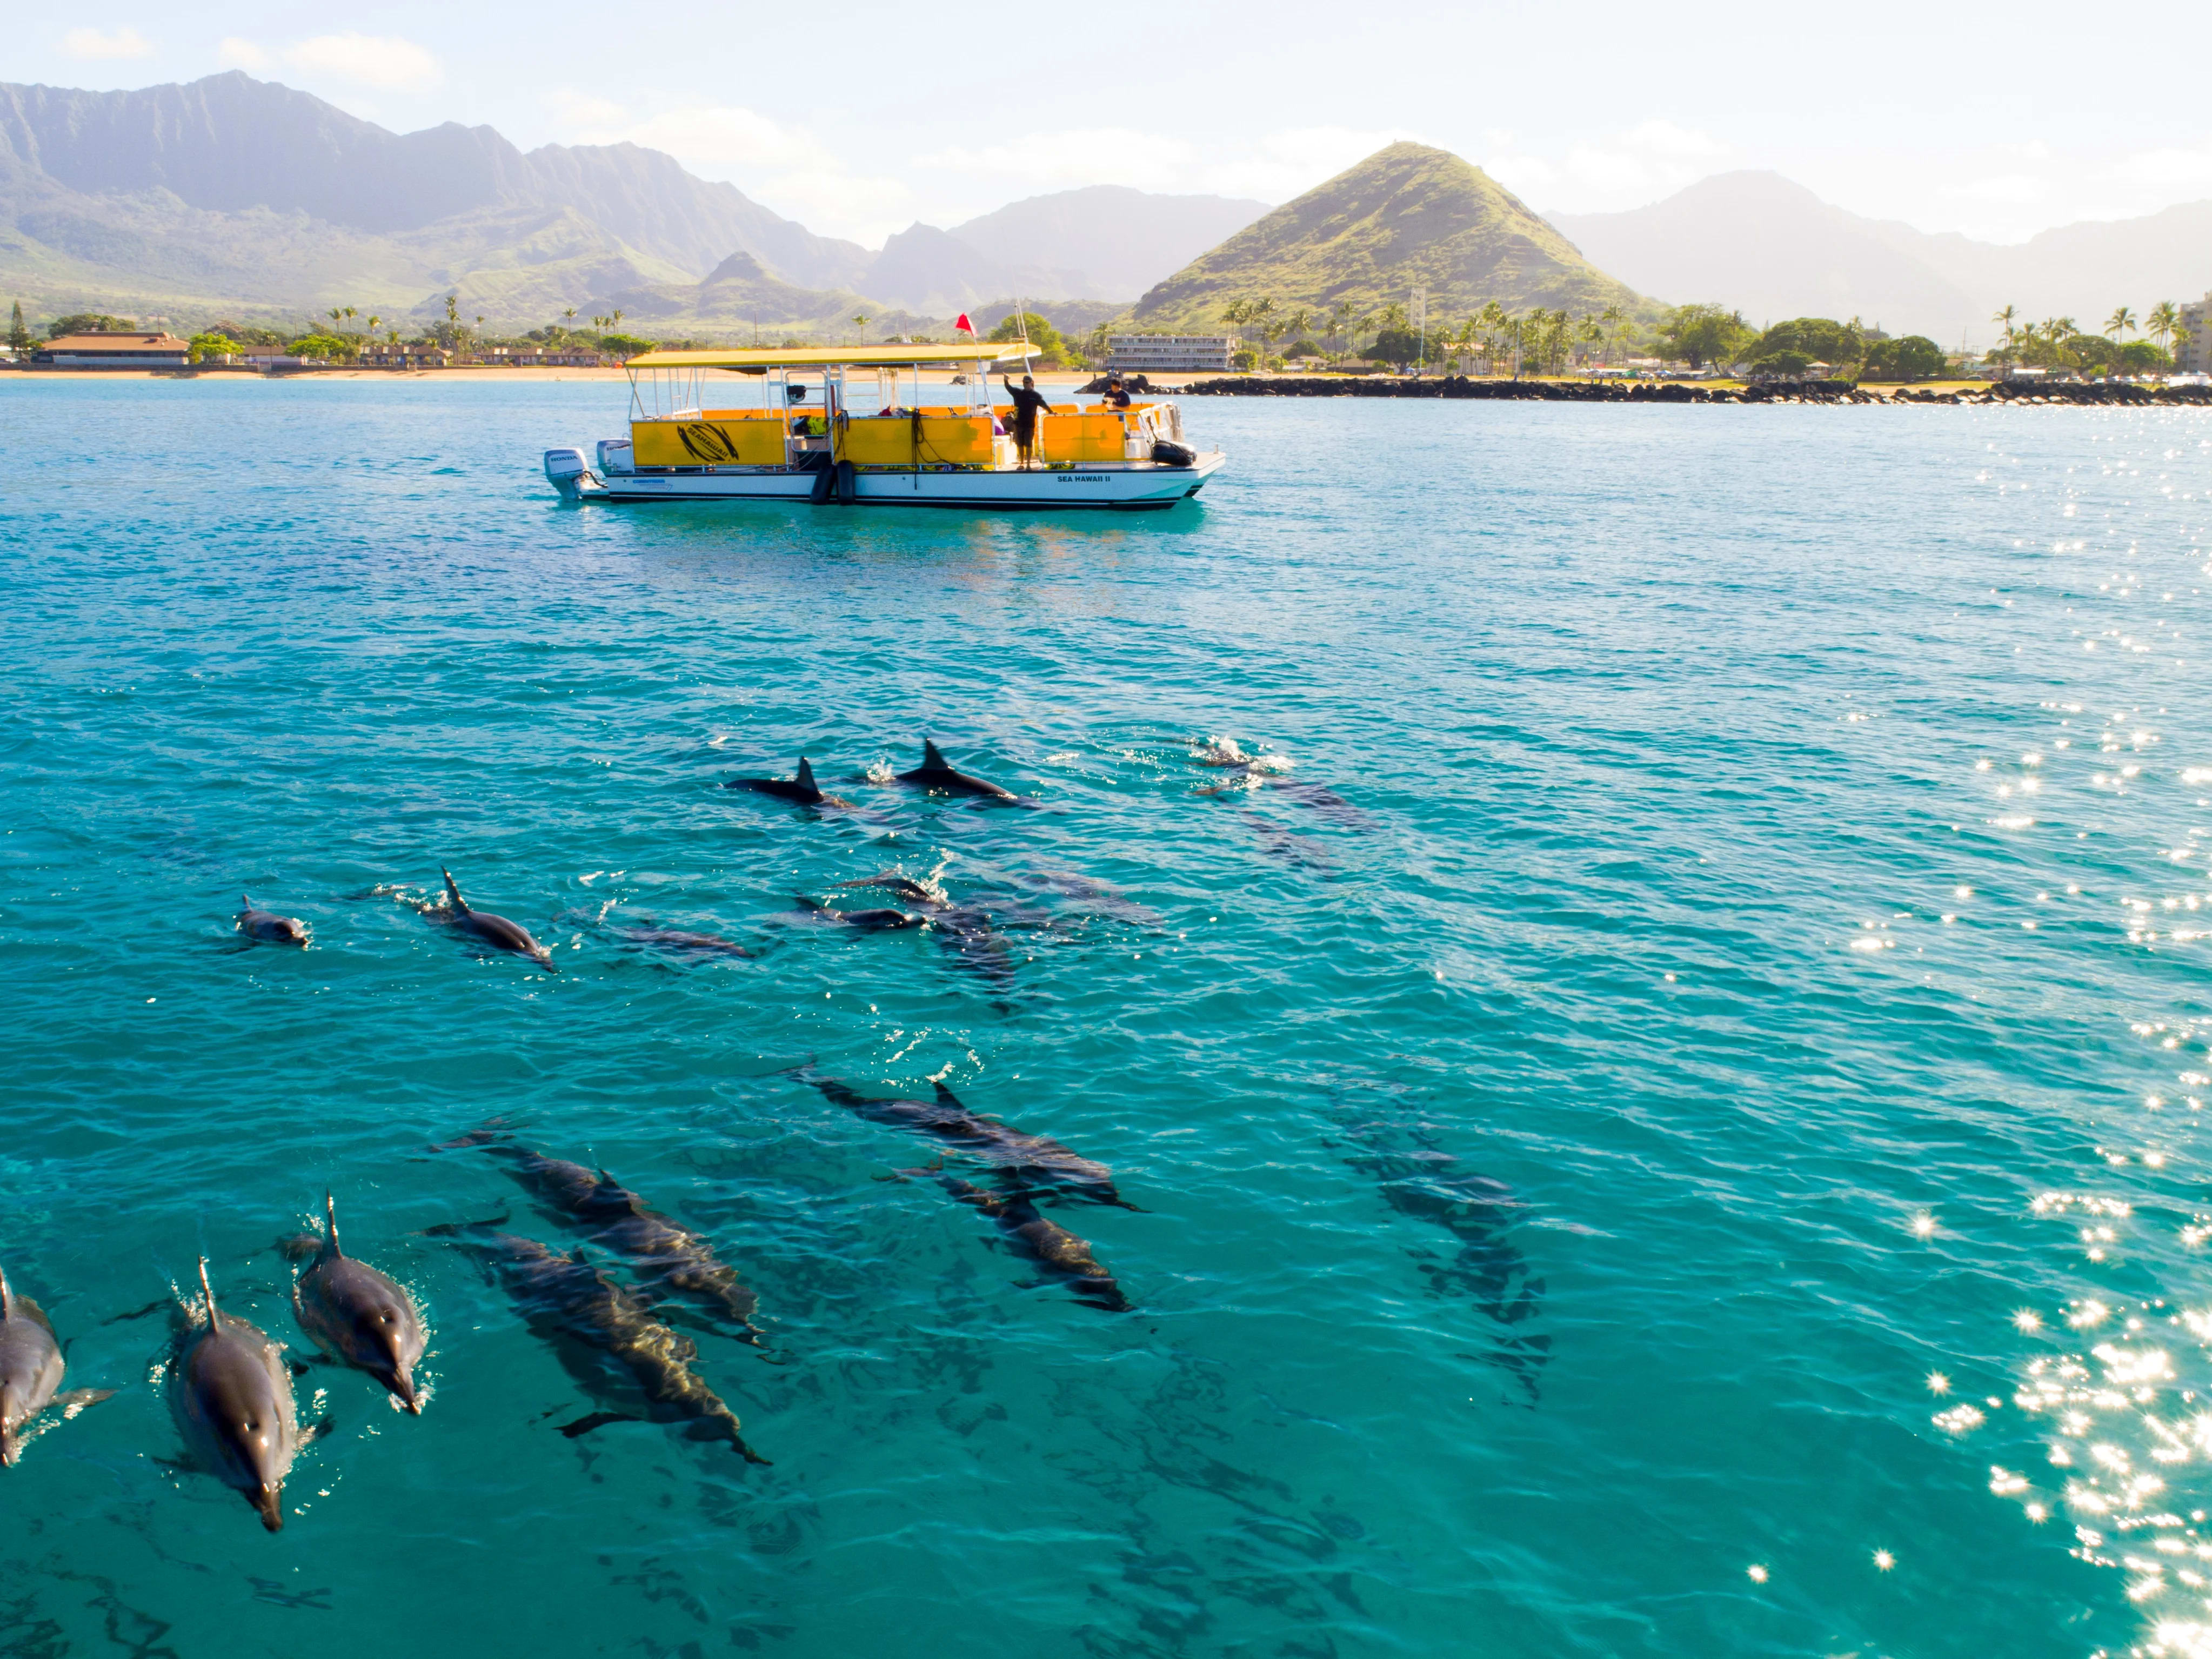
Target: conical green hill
[[1408, 216]]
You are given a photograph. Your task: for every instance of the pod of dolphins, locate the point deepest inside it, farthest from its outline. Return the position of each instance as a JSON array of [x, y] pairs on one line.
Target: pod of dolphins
[[231, 1389]]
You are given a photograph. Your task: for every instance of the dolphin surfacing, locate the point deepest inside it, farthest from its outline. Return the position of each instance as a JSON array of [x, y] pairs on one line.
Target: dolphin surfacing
[[268, 926], [233, 1400], [937, 775], [1035, 1237], [495, 931], [31, 1367], [356, 1314], [801, 791]]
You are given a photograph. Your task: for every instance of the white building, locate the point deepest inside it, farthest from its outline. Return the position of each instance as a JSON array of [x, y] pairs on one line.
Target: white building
[[2192, 353], [1164, 353]]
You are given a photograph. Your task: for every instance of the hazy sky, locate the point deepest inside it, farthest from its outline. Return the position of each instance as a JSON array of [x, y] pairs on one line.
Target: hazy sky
[[1995, 120]]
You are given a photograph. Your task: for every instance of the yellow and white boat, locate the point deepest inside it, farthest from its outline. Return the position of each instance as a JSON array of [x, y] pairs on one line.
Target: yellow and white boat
[[856, 426]]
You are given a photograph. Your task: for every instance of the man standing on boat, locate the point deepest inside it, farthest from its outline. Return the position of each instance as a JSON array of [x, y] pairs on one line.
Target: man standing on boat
[[1028, 404]]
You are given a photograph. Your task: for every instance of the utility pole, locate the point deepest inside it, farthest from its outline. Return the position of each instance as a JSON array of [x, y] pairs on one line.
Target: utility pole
[[1421, 329]]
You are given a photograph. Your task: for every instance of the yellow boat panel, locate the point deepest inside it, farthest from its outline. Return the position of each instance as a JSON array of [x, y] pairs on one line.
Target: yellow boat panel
[[719, 442]]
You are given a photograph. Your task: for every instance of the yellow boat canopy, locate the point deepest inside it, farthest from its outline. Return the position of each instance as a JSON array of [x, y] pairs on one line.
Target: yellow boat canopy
[[760, 361]]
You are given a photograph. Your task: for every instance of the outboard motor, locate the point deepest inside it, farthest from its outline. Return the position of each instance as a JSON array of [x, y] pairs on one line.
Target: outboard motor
[[566, 471], [1167, 454]]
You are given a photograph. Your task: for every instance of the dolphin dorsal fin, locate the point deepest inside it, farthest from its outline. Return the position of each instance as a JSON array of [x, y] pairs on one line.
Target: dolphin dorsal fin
[[806, 774], [214, 1313], [247, 900], [453, 892], [933, 758], [329, 1226], [946, 1097]]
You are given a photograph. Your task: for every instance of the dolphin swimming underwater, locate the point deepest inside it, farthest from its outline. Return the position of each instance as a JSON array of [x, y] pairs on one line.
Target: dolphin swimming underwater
[[269, 926], [936, 773], [358, 1315], [665, 1255], [495, 931], [1036, 1160], [801, 791], [569, 1302], [1038, 1239], [31, 1366], [233, 1400]]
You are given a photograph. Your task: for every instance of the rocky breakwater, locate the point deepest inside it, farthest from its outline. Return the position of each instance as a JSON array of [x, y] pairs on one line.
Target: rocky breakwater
[[1681, 392]]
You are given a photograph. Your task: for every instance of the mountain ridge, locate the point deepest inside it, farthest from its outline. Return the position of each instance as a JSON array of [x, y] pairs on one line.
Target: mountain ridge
[[1408, 216], [1764, 244]]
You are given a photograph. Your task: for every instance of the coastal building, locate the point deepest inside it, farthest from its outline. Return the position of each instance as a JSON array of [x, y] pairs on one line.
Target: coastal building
[[113, 351], [2192, 352], [405, 356], [1158, 353]]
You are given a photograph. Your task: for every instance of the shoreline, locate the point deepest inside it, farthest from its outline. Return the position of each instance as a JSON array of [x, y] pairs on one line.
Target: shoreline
[[1977, 394]]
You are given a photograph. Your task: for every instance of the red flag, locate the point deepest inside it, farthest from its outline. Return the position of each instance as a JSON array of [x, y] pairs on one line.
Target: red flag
[[964, 327]]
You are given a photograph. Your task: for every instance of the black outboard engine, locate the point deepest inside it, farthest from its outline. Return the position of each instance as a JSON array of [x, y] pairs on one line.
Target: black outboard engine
[[1167, 454]]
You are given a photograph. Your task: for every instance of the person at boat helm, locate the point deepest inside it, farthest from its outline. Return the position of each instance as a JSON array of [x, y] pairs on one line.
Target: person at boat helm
[[1028, 404], [1116, 395]]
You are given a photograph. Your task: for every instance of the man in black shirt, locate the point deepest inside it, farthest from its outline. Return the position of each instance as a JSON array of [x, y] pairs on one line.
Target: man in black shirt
[[1116, 396], [1028, 404]]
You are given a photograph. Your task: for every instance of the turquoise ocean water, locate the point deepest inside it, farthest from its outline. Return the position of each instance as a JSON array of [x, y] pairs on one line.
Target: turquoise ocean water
[[1666, 1120]]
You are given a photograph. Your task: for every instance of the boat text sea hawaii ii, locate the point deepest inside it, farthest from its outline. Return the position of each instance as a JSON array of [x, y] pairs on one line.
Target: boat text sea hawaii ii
[[855, 426]]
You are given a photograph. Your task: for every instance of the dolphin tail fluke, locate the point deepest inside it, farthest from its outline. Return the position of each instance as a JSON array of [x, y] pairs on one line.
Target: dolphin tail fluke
[[453, 892], [330, 1225], [214, 1313], [932, 758]]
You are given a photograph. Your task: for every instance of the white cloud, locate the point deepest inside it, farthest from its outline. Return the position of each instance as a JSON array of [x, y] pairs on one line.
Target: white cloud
[[102, 44], [724, 135], [583, 109], [383, 62], [1629, 168], [239, 53]]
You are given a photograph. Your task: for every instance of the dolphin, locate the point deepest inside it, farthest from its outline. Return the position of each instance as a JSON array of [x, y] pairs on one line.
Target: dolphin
[[31, 1367], [1038, 1239], [678, 942], [1037, 1160], [357, 1315], [233, 1400], [495, 931], [667, 1255], [570, 1302], [801, 791], [936, 773], [921, 895], [268, 925], [868, 921]]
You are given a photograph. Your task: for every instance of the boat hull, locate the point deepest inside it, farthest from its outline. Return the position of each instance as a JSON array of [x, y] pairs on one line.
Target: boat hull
[[1115, 488]]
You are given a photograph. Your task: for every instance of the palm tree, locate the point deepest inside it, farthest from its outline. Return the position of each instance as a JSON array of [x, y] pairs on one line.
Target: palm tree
[[2004, 319], [2164, 321], [615, 317], [1611, 317], [2122, 321], [1339, 317], [349, 313], [1593, 333]]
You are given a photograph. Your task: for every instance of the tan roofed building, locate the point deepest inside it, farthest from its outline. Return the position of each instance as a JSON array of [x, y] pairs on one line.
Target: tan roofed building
[[113, 351]]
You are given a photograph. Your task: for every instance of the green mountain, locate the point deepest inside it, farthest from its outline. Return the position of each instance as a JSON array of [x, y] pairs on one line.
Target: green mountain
[[1407, 217]]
